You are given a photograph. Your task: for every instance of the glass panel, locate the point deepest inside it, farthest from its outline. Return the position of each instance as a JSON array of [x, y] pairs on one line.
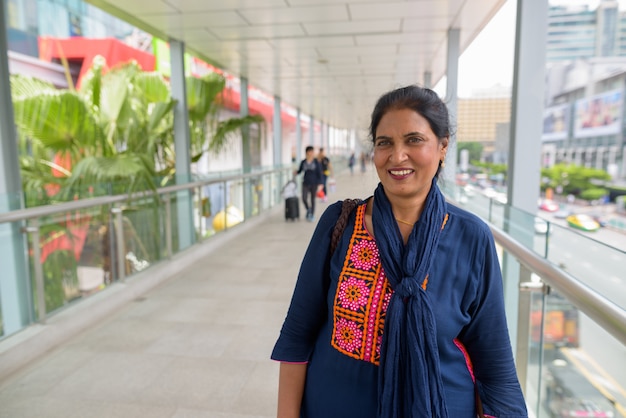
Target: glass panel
[[144, 233], [574, 382], [214, 198], [197, 213], [78, 250], [266, 191], [71, 255], [596, 264], [535, 354], [235, 208], [574, 366]]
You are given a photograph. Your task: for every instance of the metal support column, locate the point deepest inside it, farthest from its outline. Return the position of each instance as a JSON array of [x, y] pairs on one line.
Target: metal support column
[[524, 162], [15, 293], [298, 136], [312, 131], [278, 134], [452, 78], [246, 163], [184, 205], [428, 79]]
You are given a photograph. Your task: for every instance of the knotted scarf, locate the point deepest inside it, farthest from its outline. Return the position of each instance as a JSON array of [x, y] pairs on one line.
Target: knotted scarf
[[409, 383]]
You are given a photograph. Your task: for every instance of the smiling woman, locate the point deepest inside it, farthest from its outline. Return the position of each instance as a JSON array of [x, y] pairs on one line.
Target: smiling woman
[[410, 295]]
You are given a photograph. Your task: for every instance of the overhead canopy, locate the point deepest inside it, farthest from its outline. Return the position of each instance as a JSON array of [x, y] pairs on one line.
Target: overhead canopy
[[330, 58]]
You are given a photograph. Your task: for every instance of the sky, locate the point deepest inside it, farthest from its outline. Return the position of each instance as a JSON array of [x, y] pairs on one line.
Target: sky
[[483, 69]]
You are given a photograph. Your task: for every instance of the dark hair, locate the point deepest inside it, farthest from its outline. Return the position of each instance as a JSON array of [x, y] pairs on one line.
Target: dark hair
[[309, 148], [419, 99]]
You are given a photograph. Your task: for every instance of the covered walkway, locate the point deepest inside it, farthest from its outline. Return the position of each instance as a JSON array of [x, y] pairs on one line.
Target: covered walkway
[[195, 345]]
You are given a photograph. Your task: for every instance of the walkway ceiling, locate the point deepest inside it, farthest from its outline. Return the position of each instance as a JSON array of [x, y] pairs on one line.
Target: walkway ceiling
[[330, 58]]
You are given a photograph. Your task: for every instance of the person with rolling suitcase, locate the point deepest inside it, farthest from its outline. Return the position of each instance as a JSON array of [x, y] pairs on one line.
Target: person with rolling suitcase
[[292, 204], [312, 181]]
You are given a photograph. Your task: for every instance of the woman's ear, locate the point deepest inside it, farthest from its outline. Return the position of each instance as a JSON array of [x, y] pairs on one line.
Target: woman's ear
[[444, 147]]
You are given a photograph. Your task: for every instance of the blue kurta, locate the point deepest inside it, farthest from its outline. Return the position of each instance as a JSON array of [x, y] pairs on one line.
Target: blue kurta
[[336, 320]]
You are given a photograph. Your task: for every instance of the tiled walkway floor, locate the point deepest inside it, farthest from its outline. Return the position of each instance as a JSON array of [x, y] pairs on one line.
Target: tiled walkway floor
[[197, 345]]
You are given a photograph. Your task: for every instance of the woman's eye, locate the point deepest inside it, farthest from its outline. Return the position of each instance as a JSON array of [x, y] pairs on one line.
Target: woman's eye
[[414, 139], [382, 142]]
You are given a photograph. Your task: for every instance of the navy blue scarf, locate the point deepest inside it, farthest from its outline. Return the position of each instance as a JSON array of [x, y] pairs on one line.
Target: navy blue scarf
[[409, 383]]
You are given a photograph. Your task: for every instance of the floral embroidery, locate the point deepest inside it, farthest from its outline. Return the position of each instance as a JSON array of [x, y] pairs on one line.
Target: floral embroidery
[[353, 293], [361, 300], [364, 255], [348, 334]]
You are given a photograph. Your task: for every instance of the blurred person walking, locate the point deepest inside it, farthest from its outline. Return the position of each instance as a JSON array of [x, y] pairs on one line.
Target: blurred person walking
[[327, 171], [351, 163], [312, 181]]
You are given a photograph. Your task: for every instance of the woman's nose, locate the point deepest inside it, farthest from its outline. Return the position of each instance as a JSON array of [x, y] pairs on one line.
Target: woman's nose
[[398, 153]]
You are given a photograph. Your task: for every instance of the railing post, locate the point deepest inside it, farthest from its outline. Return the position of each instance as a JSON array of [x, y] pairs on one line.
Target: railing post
[[200, 208], [33, 230], [119, 243], [225, 205], [168, 224], [527, 288]]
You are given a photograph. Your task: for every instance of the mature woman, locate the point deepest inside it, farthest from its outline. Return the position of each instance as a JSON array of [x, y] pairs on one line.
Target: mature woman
[[405, 318]]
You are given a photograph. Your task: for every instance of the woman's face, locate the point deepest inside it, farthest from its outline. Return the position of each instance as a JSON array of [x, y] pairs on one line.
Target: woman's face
[[406, 154]]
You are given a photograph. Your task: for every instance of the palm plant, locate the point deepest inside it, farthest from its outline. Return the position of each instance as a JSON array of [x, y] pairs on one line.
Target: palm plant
[[113, 135]]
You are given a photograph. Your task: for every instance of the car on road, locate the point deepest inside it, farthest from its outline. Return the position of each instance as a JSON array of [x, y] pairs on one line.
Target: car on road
[[549, 205], [562, 213], [583, 222], [599, 219]]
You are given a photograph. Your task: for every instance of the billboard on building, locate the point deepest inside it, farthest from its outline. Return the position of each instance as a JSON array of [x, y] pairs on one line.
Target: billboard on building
[[599, 115], [556, 123]]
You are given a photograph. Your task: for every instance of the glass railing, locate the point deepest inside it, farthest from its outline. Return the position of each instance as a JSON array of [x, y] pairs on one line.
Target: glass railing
[[571, 317], [76, 249]]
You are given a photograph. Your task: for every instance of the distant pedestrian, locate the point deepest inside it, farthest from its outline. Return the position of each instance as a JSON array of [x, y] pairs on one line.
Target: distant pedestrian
[[363, 161], [311, 181], [327, 171], [351, 163]]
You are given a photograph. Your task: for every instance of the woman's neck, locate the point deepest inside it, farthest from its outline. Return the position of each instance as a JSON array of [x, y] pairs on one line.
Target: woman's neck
[[407, 211]]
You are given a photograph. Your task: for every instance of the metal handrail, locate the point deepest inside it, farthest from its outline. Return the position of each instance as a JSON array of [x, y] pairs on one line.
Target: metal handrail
[[30, 217], [603, 311], [40, 211]]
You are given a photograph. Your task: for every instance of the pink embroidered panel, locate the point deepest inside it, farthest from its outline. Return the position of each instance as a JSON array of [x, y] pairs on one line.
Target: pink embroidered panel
[[362, 297]]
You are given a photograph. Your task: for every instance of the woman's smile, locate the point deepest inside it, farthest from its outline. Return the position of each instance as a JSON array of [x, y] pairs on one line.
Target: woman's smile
[[400, 174]]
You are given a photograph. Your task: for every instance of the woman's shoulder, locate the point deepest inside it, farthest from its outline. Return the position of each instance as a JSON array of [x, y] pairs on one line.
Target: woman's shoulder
[[464, 220], [333, 210]]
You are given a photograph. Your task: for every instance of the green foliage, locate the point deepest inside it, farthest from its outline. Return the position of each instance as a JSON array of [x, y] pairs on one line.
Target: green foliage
[[492, 169], [117, 129], [202, 94], [593, 194], [114, 135], [571, 178], [227, 127], [59, 120], [475, 150], [60, 278]]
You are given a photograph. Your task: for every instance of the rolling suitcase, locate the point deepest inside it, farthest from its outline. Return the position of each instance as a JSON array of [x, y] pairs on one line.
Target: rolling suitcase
[[292, 208]]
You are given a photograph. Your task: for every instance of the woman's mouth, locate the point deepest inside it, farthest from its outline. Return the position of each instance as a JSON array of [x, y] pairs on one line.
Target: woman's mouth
[[400, 174]]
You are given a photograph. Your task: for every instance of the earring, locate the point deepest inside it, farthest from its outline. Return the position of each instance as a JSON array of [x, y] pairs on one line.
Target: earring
[[442, 164]]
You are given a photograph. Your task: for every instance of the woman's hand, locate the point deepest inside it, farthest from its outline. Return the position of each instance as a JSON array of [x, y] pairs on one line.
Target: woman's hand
[[290, 389]]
